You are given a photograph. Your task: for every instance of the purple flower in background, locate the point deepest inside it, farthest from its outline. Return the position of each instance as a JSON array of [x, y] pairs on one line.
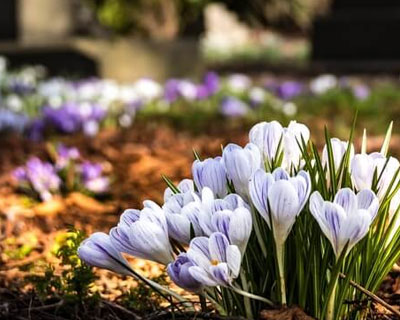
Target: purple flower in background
[[179, 273], [211, 82], [65, 154], [36, 129], [11, 121], [361, 92], [72, 117], [289, 90], [202, 92], [41, 176], [171, 92], [233, 107], [92, 177]]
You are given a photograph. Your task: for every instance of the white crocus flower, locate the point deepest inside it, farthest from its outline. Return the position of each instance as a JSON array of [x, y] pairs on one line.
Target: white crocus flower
[[144, 234], [346, 220]]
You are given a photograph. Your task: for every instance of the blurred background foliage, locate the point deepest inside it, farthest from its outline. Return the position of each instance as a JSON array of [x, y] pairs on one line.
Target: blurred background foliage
[[167, 19]]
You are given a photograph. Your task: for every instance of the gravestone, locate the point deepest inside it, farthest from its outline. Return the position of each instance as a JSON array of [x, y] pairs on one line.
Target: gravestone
[[358, 35]]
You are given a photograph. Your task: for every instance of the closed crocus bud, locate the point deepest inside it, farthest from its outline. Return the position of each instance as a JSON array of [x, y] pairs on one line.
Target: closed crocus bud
[[267, 136], [210, 173], [339, 149], [236, 225], [178, 271], [184, 186], [144, 235], [240, 164], [363, 168], [293, 136], [183, 211], [98, 251], [216, 261], [346, 219], [285, 195]]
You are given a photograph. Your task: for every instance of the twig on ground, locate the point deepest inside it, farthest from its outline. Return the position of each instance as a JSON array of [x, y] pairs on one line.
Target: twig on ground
[[372, 295], [121, 308]]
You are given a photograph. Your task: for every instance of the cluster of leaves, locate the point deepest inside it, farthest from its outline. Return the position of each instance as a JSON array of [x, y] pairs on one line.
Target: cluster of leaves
[[76, 279], [143, 298]]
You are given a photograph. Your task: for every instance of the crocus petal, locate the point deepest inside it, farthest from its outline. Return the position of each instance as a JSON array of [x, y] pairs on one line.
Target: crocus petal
[[259, 186], [346, 199], [284, 204], [234, 259], [367, 200], [99, 251], [218, 244], [151, 241], [240, 228], [220, 273], [202, 276]]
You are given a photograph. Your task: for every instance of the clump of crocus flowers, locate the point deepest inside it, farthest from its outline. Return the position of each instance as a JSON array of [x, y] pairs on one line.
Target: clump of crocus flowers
[[65, 171], [271, 223]]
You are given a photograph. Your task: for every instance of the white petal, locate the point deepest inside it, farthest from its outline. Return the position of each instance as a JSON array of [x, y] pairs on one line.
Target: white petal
[[234, 260], [347, 200]]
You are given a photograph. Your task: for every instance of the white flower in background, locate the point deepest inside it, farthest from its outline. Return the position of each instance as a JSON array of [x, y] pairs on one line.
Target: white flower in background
[[125, 120], [14, 102], [323, 83], [148, 89], [257, 95], [187, 89], [238, 83], [363, 167], [216, 261], [339, 149], [128, 94], [289, 109], [143, 234], [346, 219], [240, 163], [210, 173], [91, 128]]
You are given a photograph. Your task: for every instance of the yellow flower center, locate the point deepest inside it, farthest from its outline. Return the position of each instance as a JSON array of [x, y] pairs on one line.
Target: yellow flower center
[[214, 262]]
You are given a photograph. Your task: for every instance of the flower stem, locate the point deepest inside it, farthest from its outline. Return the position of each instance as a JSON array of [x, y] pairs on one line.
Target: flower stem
[[281, 270], [331, 303]]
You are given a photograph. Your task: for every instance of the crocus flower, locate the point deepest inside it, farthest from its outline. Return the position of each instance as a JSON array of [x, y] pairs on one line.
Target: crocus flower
[[144, 235], [289, 90], [11, 121], [363, 167], [323, 83], [98, 251], [65, 155], [238, 82], [233, 107], [257, 96], [217, 262], [178, 271], [279, 198], [210, 173], [339, 149], [271, 138], [240, 163], [183, 212], [211, 82], [92, 178], [267, 136], [41, 176], [236, 225], [346, 219]]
